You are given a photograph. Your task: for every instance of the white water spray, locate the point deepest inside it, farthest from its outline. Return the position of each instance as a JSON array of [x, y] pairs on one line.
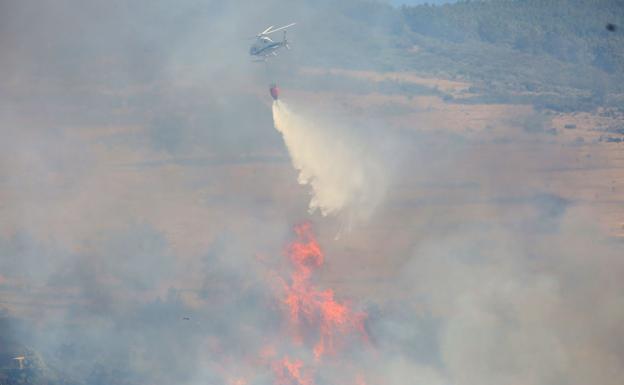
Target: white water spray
[[343, 173]]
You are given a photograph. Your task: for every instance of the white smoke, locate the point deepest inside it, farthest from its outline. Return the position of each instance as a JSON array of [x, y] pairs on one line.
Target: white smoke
[[345, 173]]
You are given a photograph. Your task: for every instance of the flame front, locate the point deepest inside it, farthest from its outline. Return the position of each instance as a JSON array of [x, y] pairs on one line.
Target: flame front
[[309, 307], [318, 324], [289, 372]]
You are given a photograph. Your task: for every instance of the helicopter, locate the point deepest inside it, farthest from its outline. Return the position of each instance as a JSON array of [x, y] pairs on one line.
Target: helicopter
[[264, 47]]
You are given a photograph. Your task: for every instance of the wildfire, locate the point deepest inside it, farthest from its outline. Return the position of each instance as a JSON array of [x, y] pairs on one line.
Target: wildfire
[[237, 381], [359, 380], [289, 372], [308, 305], [321, 324]]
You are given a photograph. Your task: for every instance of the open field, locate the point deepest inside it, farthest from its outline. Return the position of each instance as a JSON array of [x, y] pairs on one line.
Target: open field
[[465, 147]]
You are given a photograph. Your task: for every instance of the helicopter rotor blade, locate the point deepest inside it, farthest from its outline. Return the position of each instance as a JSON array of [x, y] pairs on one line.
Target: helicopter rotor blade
[[278, 29], [268, 30]]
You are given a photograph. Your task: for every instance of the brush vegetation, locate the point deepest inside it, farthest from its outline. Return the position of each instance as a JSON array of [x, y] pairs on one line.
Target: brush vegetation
[[554, 54]]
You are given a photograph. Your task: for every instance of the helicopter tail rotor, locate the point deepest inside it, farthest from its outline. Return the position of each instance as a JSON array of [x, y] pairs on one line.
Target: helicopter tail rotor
[[285, 42]]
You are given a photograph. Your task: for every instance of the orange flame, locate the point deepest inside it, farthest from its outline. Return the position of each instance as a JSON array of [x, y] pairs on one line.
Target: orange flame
[[312, 313], [237, 381], [311, 305], [359, 380], [289, 372]]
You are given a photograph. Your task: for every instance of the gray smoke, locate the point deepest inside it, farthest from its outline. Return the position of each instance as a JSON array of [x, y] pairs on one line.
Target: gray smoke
[[146, 200]]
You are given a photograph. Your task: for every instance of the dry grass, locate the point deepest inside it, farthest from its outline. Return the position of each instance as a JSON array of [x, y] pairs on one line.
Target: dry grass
[[446, 85], [503, 164]]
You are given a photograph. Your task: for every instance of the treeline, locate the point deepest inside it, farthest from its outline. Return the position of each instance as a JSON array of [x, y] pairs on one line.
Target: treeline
[[554, 54], [570, 30]]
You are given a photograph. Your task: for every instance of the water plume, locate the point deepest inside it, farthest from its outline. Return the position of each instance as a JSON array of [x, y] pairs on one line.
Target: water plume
[[341, 169]]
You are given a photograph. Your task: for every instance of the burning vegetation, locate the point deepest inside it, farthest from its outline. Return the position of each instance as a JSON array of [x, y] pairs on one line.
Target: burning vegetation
[[319, 324], [308, 306]]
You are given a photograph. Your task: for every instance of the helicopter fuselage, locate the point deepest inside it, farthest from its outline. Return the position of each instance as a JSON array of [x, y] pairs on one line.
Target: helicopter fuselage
[[265, 47]]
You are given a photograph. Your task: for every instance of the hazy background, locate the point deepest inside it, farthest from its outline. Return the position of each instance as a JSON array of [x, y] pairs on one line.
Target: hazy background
[[142, 182]]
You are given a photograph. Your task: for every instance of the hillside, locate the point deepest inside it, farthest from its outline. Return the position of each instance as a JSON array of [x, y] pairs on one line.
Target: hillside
[[147, 198], [555, 54]]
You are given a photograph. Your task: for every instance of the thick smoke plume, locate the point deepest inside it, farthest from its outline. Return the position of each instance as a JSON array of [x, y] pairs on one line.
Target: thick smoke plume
[[337, 165], [145, 205]]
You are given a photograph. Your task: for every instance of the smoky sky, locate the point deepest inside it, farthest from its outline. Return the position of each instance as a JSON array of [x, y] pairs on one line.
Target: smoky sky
[[146, 201]]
